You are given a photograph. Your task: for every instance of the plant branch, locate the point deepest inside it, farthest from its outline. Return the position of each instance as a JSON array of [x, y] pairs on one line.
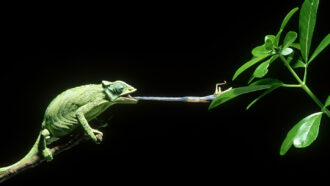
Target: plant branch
[[37, 159], [291, 70], [305, 87]]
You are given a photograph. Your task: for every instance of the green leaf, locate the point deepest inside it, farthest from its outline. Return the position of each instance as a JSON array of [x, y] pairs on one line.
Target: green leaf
[[284, 22], [308, 130], [286, 51], [289, 39], [303, 133], [290, 57], [222, 98], [269, 37], [274, 85], [269, 45], [324, 43], [248, 64], [307, 20], [260, 51], [267, 81], [262, 69], [269, 42], [251, 79], [288, 141], [262, 95], [327, 102], [296, 46], [288, 17], [299, 64]]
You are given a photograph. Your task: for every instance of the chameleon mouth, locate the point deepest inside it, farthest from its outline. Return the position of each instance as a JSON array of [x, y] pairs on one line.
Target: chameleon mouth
[[128, 96]]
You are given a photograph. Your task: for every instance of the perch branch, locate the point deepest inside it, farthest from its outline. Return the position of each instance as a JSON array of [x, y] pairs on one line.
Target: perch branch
[[37, 159]]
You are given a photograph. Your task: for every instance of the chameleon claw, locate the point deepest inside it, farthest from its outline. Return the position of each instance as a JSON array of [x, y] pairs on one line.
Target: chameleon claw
[[98, 136], [97, 132]]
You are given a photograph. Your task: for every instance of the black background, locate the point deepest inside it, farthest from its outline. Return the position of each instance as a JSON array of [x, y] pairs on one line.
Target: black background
[[164, 49]]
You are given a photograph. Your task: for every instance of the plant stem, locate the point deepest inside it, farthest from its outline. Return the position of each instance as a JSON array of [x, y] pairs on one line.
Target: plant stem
[[291, 70], [291, 86], [305, 87], [312, 95], [305, 74]]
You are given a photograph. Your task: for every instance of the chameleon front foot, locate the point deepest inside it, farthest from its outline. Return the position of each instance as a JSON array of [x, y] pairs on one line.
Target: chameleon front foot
[[98, 135]]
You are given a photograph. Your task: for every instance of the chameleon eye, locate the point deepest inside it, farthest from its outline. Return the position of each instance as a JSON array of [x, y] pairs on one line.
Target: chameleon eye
[[117, 90]]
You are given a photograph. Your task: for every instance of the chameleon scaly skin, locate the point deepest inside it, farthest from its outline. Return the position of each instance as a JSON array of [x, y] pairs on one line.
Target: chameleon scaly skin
[[74, 108]]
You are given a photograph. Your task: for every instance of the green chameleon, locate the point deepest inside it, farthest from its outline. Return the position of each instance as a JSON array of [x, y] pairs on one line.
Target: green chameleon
[[74, 108]]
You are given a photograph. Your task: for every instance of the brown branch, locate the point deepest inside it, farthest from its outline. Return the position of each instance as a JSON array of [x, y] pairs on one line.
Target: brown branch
[[37, 159]]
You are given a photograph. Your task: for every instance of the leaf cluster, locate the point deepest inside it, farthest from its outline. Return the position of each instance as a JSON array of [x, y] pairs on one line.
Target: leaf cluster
[[272, 49]]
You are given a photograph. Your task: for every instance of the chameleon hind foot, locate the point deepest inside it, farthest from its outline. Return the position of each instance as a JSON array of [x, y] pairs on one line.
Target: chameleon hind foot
[[47, 154]]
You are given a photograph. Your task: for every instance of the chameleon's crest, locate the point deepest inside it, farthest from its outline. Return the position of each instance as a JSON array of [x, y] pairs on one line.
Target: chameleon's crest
[[106, 83]]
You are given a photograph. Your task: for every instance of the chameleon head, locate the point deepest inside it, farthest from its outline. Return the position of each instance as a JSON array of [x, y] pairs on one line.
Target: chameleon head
[[119, 92]]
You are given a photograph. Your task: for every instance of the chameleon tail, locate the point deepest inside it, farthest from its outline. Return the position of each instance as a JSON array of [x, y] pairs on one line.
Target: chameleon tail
[[23, 162]]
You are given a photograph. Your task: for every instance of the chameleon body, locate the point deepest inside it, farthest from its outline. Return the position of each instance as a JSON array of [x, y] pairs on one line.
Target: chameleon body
[[74, 108]]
